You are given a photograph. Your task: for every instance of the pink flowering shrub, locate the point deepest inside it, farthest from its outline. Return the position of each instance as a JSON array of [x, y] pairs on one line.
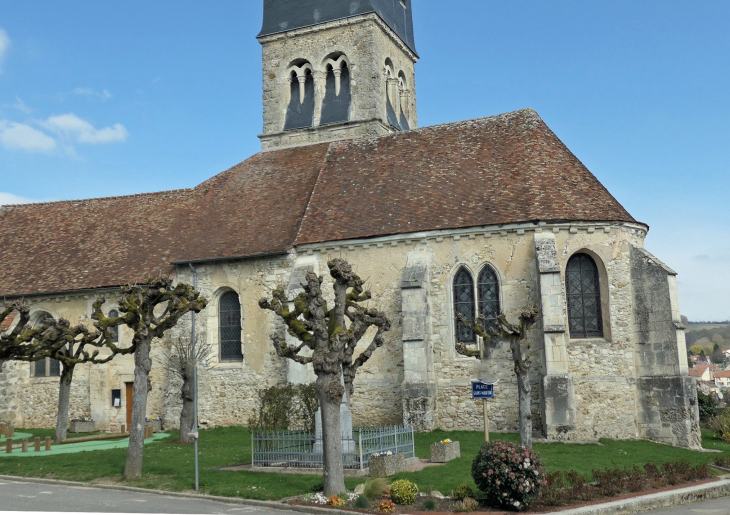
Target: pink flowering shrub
[[509, 475]]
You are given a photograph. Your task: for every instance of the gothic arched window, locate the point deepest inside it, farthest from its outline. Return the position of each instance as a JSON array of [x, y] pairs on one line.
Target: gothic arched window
[[114, 330], [336, 102], [300, 112], [464, 304], [584, 297], [488, 294], [229, 320]]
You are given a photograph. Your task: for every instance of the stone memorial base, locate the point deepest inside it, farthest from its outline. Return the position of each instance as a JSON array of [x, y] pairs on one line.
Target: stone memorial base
[[443, 452], [386, 466], [81, 427], [156, 425]]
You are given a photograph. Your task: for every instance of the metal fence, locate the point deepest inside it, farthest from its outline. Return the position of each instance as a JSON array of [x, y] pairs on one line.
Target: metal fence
[[301, 449]]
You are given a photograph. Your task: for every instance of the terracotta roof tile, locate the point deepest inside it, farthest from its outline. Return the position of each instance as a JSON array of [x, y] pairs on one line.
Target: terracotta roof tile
[[489, 171], [498, 170]]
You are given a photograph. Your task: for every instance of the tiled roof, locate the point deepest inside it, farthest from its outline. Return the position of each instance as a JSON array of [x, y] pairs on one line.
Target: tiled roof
[[489, 171], [724, 373], [498, 170]]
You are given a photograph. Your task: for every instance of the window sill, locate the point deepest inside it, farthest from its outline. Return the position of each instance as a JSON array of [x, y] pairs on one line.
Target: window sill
[[588, 341], [45, 379]]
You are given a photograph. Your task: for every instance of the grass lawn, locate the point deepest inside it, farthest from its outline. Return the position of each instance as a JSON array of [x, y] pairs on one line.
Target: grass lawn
[[170, 467]]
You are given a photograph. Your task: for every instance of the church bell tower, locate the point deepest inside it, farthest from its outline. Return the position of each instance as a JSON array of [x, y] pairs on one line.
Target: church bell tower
[[336, 69]]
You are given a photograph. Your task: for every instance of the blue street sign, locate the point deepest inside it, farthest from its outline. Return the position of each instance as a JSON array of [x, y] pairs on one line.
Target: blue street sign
[[481, 390]]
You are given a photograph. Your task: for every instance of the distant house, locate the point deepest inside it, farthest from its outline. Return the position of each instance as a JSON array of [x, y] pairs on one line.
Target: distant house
[[704, 372], [722, 378]]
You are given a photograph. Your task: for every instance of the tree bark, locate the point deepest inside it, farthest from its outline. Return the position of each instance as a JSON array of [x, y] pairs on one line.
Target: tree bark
[[135, 453], [524, 388], [187, 415], [334, 475], [64, 396]]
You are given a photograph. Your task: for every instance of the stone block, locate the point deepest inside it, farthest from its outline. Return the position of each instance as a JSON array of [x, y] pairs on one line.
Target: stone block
[[445, 452], [81, 426], [386, 466]]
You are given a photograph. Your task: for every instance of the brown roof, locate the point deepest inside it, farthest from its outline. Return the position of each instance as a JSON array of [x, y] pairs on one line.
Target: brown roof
[[497, 170], [724, 373]]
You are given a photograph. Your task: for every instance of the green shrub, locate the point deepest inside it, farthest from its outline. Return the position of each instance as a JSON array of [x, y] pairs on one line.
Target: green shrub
[[361, 503], [375, 488], [707, 406], [462, 492], [403, 491], [428, 504], [509, 475], [720, 424]]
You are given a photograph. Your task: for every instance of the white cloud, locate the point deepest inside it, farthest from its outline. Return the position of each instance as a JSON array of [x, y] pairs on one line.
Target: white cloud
[[19, 136], [4, 45], [9, 198], [74, 128], [103, 94]]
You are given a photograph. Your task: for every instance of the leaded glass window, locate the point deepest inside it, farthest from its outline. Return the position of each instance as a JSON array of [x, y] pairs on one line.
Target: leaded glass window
[[488, 294], [229, 317], [114, 330], [584, 297], [464, 304], [39, 368]]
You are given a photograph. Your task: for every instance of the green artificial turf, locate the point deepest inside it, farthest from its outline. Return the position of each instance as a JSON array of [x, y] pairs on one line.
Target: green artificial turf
[[170, 466]]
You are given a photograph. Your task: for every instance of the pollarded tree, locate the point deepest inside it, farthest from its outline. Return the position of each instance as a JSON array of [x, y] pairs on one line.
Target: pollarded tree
[[332, 335], [519, 344], [149, 309], [182, 360], [23, 340]]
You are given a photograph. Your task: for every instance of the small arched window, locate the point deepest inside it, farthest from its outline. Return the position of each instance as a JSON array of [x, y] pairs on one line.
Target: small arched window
[[584, 297], [300, 112], [336, 102], [114, 330], [46, 367], [229, 319], [464, 304], [488, 294]]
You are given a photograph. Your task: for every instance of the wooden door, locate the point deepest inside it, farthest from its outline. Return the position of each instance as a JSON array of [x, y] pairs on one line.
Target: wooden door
[[129, 399]]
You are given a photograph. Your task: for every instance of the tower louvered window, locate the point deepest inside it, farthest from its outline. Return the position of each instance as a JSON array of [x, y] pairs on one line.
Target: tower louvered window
[[488, 294], [229, 318], [584, 297], [464, 304]]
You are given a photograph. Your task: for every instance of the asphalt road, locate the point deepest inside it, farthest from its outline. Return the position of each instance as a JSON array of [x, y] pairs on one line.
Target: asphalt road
[[26, 496], [719, 506]]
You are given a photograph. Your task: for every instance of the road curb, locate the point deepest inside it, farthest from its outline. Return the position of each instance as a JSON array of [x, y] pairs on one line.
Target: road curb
[[667, 499], [678, 497], [203, 497]]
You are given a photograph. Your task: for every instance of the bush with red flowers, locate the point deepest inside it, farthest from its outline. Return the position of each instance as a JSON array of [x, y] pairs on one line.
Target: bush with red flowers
[[509, 475]]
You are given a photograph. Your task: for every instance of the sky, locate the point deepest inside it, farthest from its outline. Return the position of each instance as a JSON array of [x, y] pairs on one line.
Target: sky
[[114, 98]]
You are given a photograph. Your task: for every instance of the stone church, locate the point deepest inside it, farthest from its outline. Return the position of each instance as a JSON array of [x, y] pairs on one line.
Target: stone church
[[477, 216]]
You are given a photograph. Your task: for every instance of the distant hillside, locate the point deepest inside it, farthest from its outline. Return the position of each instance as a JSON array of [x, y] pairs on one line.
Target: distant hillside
[[698, 326]]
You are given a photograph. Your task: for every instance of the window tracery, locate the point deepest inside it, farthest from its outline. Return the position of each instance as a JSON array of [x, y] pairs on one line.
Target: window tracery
[[300, 111], [336, 102], [583, 293]]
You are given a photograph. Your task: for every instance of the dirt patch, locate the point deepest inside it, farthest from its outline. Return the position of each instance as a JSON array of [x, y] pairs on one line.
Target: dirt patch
[[411, 466]]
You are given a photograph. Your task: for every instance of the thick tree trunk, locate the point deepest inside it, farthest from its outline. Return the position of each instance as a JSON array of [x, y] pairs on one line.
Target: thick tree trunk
[[135, 453], [523, 385], [64, 396], [187, 415], [334, 475]]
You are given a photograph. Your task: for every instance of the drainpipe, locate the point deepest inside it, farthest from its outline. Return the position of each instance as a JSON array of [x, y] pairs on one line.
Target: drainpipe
[[195, 381]]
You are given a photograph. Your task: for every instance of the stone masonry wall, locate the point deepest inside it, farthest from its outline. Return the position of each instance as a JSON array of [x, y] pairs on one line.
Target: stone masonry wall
[[366, 42]]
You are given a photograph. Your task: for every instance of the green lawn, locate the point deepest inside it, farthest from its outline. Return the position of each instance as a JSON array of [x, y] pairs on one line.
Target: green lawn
[[169, 466]]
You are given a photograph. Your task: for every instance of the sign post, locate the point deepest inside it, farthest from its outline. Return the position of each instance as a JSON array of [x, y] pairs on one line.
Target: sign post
[[483, 390]]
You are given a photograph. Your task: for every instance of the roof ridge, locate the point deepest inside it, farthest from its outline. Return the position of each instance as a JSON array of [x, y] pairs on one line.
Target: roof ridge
[[92, 199], [311, 194]]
